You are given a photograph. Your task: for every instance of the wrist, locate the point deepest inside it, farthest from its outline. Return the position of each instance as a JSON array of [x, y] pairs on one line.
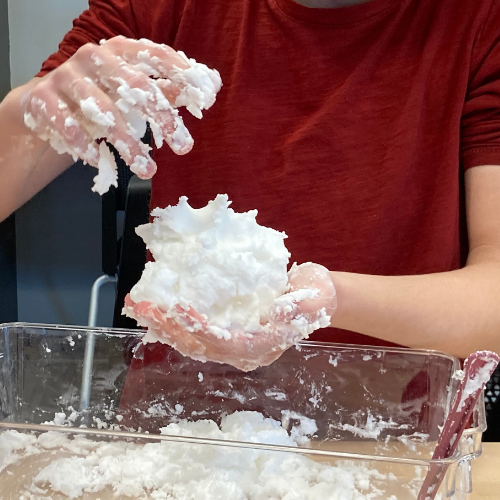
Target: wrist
[[346, 301], [12, 108]]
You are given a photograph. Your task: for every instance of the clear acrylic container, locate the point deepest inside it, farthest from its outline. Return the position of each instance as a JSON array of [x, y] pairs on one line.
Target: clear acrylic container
[[378, 413]]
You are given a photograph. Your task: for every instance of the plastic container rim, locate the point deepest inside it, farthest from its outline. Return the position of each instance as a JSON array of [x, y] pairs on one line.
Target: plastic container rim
[[120, 332]]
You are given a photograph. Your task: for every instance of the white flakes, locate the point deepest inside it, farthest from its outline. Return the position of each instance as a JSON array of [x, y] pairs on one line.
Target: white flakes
[[220, 333], [60, 419], [108, 170], [29, 121], [122, 148], [136, 124], [276, 395], [180, 139], [199, 86], [157, 133], [458, 375], [139, 165], [70, 122], [91, 110], [221, 263], [181, 471], [96, 60], [372, 428], [475, 383], [411, 441]]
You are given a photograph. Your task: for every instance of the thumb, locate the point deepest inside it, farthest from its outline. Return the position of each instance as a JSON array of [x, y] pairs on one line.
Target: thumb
[[311, 298]]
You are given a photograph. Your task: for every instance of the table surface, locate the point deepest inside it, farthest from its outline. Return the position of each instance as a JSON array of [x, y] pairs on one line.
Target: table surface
[[486, 473]]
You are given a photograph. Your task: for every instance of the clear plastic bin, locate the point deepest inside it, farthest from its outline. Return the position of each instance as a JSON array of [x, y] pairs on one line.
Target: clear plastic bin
[[378, 413]]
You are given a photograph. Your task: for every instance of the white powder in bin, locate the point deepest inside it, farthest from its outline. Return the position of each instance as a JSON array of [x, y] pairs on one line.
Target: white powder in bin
[[182, 471], [221, 263]]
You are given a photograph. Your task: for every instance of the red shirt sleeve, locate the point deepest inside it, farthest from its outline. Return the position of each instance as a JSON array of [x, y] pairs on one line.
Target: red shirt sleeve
[[480, 135], [104, 19]]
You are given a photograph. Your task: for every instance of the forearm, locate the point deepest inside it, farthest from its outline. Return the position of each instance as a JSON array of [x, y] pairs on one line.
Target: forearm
[[27, 164], [456, 312]]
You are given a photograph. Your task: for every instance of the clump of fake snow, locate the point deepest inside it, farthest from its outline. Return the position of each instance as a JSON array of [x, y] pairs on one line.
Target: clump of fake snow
[[178, 471], [221, 263]]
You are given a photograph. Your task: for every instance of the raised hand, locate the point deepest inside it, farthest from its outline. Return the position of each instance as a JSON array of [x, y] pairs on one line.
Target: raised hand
[[109, 91]]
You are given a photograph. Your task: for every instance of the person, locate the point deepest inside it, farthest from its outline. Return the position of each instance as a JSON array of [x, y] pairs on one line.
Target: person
[[368, 131]]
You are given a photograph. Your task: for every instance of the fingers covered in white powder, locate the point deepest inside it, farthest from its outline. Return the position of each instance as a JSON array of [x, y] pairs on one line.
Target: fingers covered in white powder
[[99, 116], [54, 122], [192, 335], [311, 300], [294, 316], [109, 91]]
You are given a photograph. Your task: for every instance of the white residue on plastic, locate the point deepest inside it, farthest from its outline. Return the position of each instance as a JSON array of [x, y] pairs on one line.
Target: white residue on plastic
[[305, 429], [63, 419], [276, 395], [458, 375], [474, 384], [229, 395], [316, 395], [309, 356], [370, 429], [412, 440], [60, 419], [158, 410], [100, 424], [334, 360]]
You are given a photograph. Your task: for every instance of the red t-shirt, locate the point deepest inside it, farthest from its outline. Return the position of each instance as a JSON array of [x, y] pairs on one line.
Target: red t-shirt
[[349, 128]]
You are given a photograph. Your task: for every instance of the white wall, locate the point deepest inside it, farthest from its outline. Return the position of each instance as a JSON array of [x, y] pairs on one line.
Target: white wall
[[59, 231], [36, 28]]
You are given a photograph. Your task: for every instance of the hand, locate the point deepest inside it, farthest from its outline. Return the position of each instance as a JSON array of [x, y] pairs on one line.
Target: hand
[[110, 91], [307, 306]]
